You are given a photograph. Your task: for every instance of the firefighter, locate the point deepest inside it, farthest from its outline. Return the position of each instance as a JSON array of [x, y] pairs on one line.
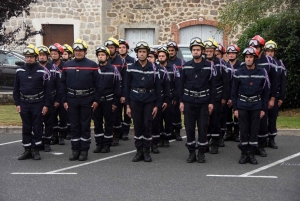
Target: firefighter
[[54, 82], [221, 84], [143, 89], [197, 97], [68, 53], [174, 60], [269, 64], [250, 94], [78, 83], [232, 54], [126, 122], [115, 59], [32, 98], [108, 85], [60, 128], [270, 50]]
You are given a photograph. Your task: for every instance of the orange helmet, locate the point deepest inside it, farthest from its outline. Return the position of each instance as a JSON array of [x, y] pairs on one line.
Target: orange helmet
[[257, 41], [57, 47]]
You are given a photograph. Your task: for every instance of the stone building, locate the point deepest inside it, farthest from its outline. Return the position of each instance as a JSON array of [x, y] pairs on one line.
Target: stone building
[[155, 21]]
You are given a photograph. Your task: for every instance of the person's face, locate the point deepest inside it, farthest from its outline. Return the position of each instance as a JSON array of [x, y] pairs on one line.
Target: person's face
[[162, 57], [122, 49], [209, 53], [232, 56], [79, 54], [196, 52], [249, 60], [142, 54], [55, 55], [270, 53], [65, 55], [43, 57], [102, 57], [218, 54], [112, 49], [151, 58], [172, 52], [30, 59]]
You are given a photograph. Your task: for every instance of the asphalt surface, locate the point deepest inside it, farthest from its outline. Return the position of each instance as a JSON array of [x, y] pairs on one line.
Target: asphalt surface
[[113, 176]]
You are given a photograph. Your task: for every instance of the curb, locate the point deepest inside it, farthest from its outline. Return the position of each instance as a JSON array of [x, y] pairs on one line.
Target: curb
[[18, 130]]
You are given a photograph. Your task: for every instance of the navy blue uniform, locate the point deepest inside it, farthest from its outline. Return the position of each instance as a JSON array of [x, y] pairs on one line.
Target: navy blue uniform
[[78, 82], [250, 94], [32, 92], [197, 91], [176, 122], [221, 83], [164, 98], [108, 85], [280, 95], [121, 65], [143, 93], [49, 118], [271, 67]]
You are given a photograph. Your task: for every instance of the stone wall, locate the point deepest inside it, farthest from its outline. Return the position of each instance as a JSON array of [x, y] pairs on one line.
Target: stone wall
[[6, 98]]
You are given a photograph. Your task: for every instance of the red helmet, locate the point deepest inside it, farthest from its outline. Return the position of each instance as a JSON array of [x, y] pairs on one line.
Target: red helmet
[[257, 41], [57, 47], [221, 48], [251, 51], [233, 48]]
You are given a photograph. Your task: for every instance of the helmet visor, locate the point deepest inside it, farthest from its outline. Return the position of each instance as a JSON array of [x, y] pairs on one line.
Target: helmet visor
[[253, 43], [28, 51], [231, 49], [171, 44], [43, 50], [270, 46], [249, 50], [109, 42], [78, 46]]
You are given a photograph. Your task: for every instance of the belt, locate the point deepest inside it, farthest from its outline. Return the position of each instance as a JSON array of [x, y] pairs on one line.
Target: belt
[[53, 93], [196, 93], [249, 99], [80, 92], [106, 98], [141, 90], [32, 97], [219, 89]]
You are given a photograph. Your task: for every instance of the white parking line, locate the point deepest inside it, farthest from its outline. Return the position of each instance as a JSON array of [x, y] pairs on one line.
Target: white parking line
[[248, 174], [11, 142], [36, 173]]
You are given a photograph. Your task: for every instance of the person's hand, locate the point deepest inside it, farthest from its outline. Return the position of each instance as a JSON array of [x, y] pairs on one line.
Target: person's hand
[[271, 103], [45, 110], [262, 113], [154, 112], [56, 104], [164, 106], [223, 102], [122, 99], [210, 108], [181, 107], [18, 108], [66, 106], [280, 103], [229, 103], [113, 107], [236, 114], [94, 106], [128, 111]]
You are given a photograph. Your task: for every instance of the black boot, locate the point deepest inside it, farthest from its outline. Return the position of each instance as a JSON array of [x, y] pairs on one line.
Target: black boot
[[139, 155], [272, 143], [221, 140], [83, 156], [177, 135], [147, 156], [244, 158], [192, 157], [54, 138], [154, 149], [74, 156], [98, 149], [252, 158], [237, 134], [161, 141], [228, 134], [125, 136], [201, 156], [47, 148], [61, 138], [214, 146], [261, 150], [35, 154], [26, 155], [166, 142], [115, 139], [106, 149]]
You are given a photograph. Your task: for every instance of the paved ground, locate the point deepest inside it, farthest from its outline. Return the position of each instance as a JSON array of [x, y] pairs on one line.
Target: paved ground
[[114, 177]]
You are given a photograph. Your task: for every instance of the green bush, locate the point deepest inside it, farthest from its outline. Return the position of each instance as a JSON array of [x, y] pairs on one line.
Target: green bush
[[284, 29]]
